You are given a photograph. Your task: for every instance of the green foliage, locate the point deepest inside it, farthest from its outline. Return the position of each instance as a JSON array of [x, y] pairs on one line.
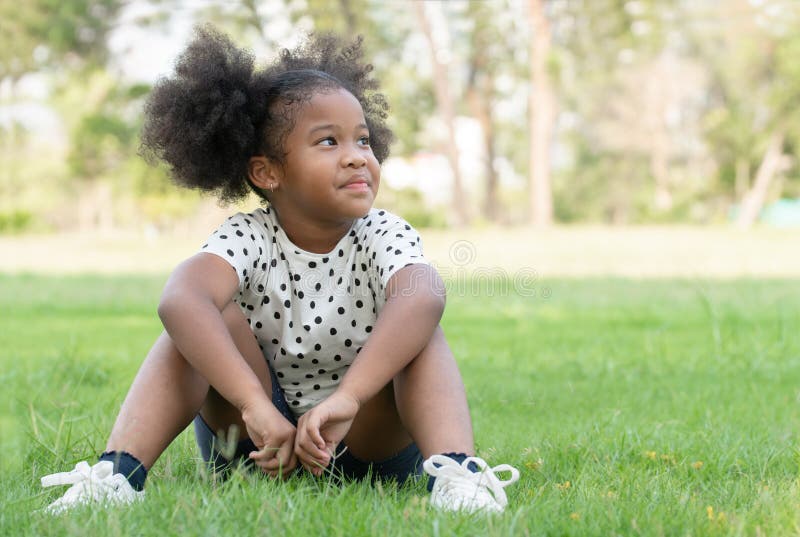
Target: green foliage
[[754, 91], [734, 65], [409, 203], [104, 119], [785, 95], [602, 186], [54, 34], [629, 406], [100, 142], [15, 221]]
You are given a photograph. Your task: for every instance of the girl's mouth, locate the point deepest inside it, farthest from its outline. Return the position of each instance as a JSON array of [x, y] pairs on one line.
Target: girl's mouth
[[357, 185]]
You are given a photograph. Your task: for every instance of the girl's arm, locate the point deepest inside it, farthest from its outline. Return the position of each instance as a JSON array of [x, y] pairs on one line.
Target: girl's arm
[[414, 305], [415, 302], [191, 310]]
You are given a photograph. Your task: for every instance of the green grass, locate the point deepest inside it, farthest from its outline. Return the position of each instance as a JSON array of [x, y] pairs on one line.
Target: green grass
[[630, 407]]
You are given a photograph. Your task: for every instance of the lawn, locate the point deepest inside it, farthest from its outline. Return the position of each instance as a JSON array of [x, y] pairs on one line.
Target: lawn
[[652, 407]]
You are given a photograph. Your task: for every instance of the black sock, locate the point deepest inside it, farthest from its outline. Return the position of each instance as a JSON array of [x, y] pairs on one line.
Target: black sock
[[459, 458], [127, 465]]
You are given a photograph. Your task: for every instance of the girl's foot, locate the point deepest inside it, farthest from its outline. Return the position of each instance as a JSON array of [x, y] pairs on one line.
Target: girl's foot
[[458, 488], [91, 484]]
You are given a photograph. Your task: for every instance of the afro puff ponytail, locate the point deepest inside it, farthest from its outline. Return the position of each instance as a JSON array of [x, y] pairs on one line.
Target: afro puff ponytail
[[203, 121], [216, 111]]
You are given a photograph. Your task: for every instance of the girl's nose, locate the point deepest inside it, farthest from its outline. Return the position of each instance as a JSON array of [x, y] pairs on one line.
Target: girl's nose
[[354, 158]]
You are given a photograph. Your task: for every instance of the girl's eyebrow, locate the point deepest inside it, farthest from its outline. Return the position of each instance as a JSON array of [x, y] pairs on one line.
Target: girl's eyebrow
[[331, 126], [327, 127]]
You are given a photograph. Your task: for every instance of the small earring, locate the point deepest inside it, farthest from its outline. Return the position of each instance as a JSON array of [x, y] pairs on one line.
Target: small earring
[[272, 187]]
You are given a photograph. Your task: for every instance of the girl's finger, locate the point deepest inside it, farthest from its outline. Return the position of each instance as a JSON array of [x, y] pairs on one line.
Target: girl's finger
[[284, 470], [313, 442], [272, 473], [315, 453], [291, 466], [285, 453], [282, 459], [309, 462], [264, 454], [313, 426]]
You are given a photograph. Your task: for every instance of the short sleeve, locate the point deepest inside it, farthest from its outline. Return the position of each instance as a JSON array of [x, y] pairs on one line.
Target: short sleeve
[[394, 245], [240, 242]]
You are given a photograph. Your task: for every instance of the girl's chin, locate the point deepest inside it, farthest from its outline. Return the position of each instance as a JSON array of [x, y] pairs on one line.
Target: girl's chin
[[362, 213], [363, 206]]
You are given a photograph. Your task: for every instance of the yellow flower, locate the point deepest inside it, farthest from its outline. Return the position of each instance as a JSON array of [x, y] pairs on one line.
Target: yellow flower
[[697, 465], [575, 516], [720, 517], [650, 455], [563, 486], [533, 465]]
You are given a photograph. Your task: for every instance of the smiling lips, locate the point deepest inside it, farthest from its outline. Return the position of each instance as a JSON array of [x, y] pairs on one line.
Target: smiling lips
[[357, 183]]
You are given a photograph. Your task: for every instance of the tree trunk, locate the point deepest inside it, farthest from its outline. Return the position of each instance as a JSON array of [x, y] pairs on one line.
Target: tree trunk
[[659, 167], [753, 201], [95, 206], [742, 178], [445, 105], [479, 100], [542, 114]]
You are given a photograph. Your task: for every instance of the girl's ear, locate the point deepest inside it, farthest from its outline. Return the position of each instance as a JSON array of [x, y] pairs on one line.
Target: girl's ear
[[263, 173]]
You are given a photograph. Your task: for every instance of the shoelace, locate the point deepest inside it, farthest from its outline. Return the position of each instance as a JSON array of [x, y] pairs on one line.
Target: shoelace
[[471, 487], [82, 472], [89, 483]]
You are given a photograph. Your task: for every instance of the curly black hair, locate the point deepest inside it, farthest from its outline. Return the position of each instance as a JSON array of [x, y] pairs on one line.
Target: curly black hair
[[217, 110]]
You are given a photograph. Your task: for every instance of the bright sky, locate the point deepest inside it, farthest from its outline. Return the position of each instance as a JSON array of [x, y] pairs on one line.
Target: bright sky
[[142, 54]]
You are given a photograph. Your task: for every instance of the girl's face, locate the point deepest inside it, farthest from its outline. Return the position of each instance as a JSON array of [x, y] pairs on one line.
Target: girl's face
[[330, 175]]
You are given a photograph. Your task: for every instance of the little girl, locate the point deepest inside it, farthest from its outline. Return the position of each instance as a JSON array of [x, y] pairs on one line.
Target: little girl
[[309, 327]]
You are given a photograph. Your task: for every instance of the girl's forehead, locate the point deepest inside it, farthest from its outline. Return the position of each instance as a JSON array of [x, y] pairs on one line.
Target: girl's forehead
[[332, 102]]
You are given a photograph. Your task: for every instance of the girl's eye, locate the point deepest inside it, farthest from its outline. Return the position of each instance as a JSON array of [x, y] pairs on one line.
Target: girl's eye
[[327, 141], [364, 140]]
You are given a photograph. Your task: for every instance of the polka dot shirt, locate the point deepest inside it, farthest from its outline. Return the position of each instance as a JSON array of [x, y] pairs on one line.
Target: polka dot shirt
[[312, 313]]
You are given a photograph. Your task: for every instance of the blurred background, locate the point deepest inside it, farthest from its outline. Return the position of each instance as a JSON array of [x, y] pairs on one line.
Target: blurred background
[[512, 117]]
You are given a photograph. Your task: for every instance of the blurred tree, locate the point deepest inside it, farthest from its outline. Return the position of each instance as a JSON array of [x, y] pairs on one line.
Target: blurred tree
[[52, 34], [342, 17], [633, 79], [103, 118], [52, 38], [487, 46], [751, 52], [631, 96], [541, 108], [440, 55], [247, 21]]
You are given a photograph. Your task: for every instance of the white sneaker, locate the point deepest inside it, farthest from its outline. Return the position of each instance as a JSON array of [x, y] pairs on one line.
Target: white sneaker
[[91, 484], [457, 488]]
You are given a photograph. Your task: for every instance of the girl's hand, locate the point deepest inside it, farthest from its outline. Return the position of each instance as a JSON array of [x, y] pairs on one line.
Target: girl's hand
[[321, 429], [274, 436]]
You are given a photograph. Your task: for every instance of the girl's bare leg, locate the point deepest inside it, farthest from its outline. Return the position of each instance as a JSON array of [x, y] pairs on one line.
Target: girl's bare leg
[[426, 402], [168, 392]]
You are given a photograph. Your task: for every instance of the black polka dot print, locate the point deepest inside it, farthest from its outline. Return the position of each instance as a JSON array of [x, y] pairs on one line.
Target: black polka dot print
[[311, 314]]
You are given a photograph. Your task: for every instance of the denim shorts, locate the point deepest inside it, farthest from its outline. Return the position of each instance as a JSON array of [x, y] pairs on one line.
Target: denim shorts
[[399, 467]]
